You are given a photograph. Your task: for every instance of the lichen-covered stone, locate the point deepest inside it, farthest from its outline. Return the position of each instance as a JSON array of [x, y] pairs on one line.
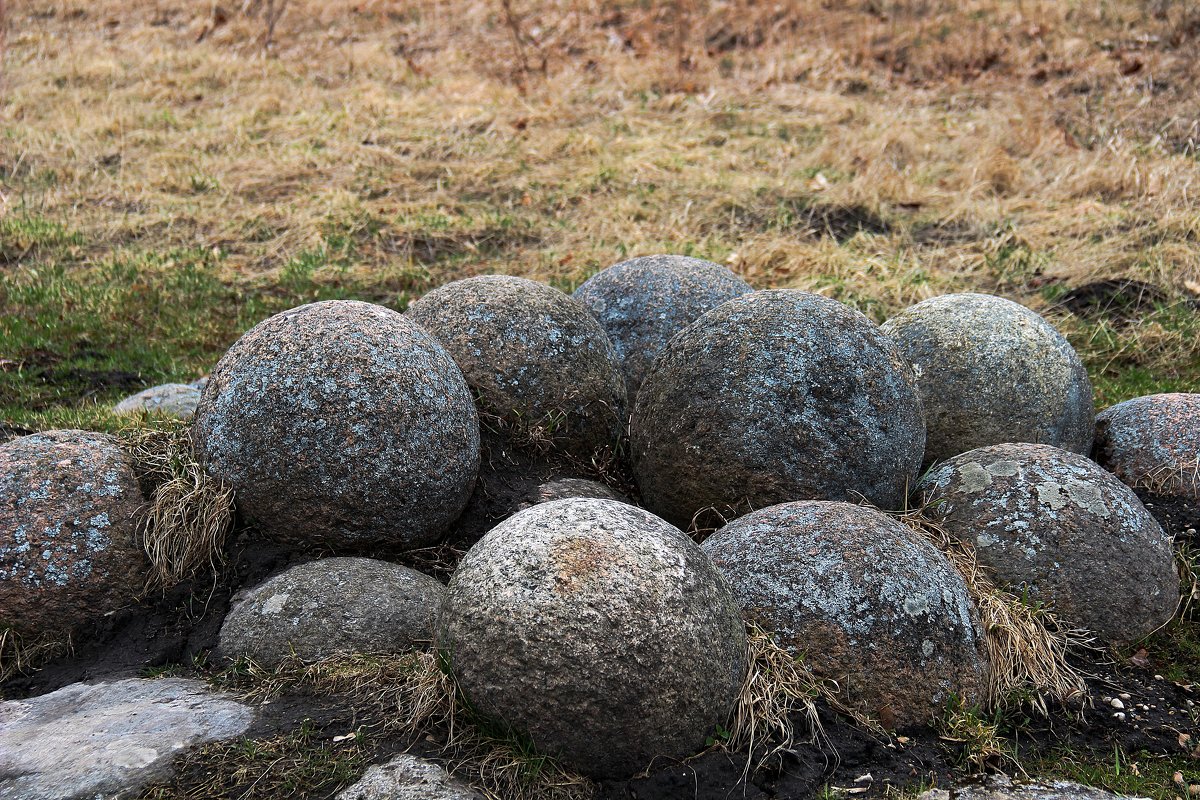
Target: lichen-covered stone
[[564, 488], [333, 606], [1052, 525], [597, 629], [177, 400], [535, 356], [407, 777], [992, 371], [862, 600], [775, 396], [343, 424], [1152, 444], [643, 302], [69, 506]]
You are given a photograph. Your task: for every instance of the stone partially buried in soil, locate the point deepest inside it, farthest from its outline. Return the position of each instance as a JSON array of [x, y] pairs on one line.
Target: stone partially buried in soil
[[775, 396], [1055, 526], [341, 424], [862, 601], [992, 371], [177, 400], [334, 606], [565, 488], [69, 507], [597, 629], [1152, 444], [536, 357], [643, 302], [407, 777]]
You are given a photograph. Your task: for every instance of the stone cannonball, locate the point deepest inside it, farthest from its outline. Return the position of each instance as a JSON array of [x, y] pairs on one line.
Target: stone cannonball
[[643, 302], [333, 606], [597, 629], [341, 424], [69, 508], [1055, 527], [863, 601], [775, 396], [992, 371]]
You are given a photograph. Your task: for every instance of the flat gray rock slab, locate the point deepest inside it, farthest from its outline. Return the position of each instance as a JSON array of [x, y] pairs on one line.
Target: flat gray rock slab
[[107, 739], [407, 777], [1001, 788], [170, 399]]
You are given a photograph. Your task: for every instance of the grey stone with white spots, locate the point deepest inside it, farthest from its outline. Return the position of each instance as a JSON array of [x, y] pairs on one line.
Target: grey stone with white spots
[[863, 601], [992, 371], [177, 400], [407, 777], [334, 606], [597, 629], [1054, 526], [108, 740], [341, 424], [69, 507], [643, 302], [536, 357], [775, 396], [1001, 787]]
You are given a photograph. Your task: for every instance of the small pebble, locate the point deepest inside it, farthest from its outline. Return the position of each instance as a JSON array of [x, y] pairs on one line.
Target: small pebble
[[1124, 696], [1116, 703], [1158, 678], [1119, 716]]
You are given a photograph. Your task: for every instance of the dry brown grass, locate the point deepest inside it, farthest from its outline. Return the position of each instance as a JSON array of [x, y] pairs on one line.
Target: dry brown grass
[[21, 655]]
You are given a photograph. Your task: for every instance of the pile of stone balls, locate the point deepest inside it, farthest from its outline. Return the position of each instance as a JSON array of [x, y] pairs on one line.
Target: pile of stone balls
[[779, 421]]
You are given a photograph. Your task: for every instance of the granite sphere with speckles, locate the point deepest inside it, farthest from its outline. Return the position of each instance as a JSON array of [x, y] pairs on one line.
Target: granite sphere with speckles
[[1053, 525], [69, 507], [863, 601], [333, 606], [775, 396], [597, 629], [1152, 443], [343, 424], [643, 302], [992, 371], [535, 356]]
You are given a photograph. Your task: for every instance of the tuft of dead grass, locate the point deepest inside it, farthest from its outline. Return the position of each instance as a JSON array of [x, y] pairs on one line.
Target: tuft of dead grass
[[21, 655], [190, 513], [1027, 648]]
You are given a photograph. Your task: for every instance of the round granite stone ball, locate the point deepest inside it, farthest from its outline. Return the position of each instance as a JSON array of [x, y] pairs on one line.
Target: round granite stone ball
[[1152, 444], [863, 601], [598, 630], [69, 508], [535, 356], [1052, 525], [775, 396], [341, 424], [992, 371], [643, 302], [334, 606]]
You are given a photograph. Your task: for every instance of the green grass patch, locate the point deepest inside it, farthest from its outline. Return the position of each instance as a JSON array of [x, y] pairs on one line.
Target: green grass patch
[[24, 236], [1140, 774]]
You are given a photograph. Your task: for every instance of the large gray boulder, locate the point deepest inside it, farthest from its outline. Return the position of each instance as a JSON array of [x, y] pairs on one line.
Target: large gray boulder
[[643, 302], [1152, 444], [598, 630], [863, 601], [536, 357], [1052, 525], [333, 606], [108, 739], [407, 777], [775, 396], [992, 371], [178, 400], [341, 424], [69, 508]]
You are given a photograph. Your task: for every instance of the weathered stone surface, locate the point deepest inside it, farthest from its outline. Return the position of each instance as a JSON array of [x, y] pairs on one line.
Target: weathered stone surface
[[565, 488], [1054, 525], [643, 302], [1152, 443], [775, 396], [107, 739], [1000, 787], [862, 600], [332, 606], [177, 400], [69, 504], [599, 630], [992, 371], [342, 424], [407, 777], [536, 357]]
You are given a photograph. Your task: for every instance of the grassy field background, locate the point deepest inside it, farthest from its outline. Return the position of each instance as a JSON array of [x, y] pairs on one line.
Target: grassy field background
[[172, 172]]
